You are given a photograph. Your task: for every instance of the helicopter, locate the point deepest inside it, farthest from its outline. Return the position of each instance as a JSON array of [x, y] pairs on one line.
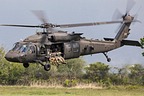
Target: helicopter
[[55, 47]]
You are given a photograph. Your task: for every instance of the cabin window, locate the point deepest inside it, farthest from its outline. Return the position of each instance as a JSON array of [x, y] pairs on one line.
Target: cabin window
[[75, 47]]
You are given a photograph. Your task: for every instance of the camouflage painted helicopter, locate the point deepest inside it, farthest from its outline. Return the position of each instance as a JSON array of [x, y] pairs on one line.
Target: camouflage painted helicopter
[[54, 47]]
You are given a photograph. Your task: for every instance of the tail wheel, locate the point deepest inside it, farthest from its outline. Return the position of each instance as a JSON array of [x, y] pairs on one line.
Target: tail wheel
[[108, 59], [26, 65], [47, 67]]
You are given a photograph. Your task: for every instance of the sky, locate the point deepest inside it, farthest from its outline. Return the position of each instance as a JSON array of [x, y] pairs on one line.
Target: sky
[[74, 11]]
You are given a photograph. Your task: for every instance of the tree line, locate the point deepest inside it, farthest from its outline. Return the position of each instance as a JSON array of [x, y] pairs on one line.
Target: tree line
[[74, 72]]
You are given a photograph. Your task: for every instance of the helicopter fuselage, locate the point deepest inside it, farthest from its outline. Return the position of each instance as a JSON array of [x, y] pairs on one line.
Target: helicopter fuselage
[[39, 46]]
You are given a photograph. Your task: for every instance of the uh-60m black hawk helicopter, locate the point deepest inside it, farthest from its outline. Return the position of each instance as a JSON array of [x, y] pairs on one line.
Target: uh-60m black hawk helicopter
[[54, 47]]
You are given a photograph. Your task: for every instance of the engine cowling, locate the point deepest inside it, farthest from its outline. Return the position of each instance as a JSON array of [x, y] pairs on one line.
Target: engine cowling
[[64, 37]]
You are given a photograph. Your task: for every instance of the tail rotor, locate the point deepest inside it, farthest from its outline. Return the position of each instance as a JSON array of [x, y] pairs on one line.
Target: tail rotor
[[119, 15]]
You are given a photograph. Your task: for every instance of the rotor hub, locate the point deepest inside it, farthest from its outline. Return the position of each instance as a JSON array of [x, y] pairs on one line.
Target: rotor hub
[[128, 18], [47, 25]]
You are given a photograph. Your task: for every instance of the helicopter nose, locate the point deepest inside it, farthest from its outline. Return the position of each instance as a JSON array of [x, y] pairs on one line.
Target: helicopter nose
[[10, 56]]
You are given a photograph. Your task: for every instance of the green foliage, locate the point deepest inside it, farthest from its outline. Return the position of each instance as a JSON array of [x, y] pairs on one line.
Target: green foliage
[[5, 68], [137, 74], [142, 41], [73, 68], [70, 83], [129, 75], [97, 72], [121, 77], [132, 87]]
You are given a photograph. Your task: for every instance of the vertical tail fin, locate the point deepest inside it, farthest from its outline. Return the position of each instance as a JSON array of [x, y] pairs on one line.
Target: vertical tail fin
[[123, 32]]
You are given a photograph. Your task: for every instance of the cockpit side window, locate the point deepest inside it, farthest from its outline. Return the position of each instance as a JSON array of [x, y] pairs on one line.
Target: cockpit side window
[[16, 47], [24, 48], [20, 47]]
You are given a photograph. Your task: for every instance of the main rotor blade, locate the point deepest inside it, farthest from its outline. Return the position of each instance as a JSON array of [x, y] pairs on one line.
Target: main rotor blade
[[87, 24], [41, 15], [11, 25]]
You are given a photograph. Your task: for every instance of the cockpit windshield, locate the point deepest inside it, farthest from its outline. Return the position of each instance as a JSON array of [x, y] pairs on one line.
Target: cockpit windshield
[[23, 48]]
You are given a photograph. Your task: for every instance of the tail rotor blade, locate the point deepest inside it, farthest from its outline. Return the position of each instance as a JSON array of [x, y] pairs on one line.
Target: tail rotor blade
[[130, 5], [136, 15], [117, 15]]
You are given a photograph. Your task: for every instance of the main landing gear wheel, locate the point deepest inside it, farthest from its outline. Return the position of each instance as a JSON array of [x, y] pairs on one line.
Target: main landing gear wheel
[[47, 67], [26, 65]]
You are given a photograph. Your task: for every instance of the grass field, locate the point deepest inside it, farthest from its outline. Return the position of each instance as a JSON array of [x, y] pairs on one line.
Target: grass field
[[35, 91]]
